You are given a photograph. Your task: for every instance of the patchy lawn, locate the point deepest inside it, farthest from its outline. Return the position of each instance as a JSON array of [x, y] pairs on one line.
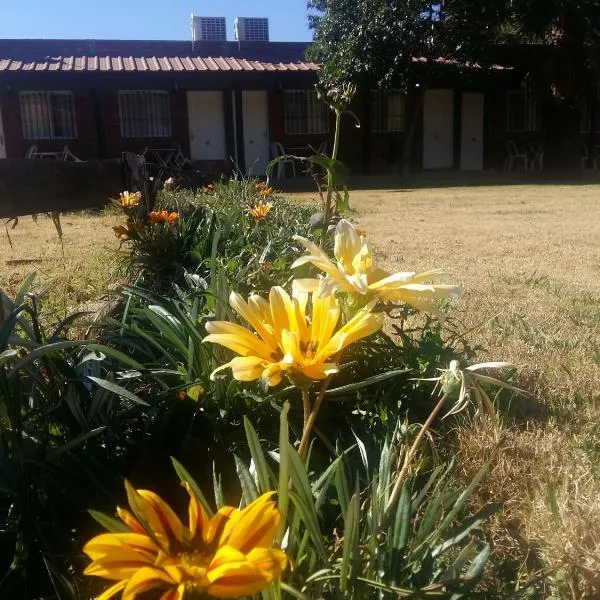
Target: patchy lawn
[[528, 259], [82, 272]]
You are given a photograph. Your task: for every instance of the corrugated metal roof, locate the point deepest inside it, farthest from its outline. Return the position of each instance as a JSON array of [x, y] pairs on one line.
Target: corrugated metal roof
[[117, 56]]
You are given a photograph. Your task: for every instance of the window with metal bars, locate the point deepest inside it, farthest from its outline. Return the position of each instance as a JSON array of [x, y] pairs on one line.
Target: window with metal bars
[[387, 111], [145, 114], [523, 112], [305, 113], [48, 115]]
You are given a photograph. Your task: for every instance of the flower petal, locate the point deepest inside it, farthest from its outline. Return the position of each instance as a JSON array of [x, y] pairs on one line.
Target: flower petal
[[347, 245], [198, 519], [146, 579], [112, 590], [254, 526], [247, 368]]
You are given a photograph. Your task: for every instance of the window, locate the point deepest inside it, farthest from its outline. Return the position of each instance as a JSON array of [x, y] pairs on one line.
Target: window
[[145, 114], [523, 112], [387, 111], [48, 115], [305, 113]]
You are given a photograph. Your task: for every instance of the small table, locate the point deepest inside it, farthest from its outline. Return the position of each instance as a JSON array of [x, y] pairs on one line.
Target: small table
[[47, 155]]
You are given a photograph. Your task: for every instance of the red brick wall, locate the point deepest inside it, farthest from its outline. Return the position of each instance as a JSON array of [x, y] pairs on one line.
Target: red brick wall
[[84, 147], [87, 145]]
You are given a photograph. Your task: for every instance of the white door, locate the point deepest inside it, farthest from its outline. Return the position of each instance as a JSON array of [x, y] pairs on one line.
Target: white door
[[438, 126], [471, 138], [2, 143], [207, 125], [256, 131]]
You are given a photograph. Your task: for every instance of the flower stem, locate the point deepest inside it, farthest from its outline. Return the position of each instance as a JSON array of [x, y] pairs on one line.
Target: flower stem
[[409, 457], [309, 420]]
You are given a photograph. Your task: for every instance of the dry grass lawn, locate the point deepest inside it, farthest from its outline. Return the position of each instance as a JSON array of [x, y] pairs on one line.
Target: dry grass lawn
[[528, 260], [82, 273]]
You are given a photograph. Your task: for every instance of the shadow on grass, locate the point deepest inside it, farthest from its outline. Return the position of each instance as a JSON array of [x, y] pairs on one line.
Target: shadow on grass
[[444, 179]]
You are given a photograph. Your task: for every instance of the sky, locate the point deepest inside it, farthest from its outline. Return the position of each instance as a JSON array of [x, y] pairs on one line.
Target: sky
[[144, 19]]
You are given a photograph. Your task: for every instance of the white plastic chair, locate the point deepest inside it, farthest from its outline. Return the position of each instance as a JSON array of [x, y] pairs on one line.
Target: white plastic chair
[[514, 156], [585, 155], [276, 151], [68, 155], [322, 149], [31, 151]]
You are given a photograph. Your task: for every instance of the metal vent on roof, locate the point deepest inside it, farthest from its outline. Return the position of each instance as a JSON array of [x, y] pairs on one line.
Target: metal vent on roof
[[251, 29], [208, 29]]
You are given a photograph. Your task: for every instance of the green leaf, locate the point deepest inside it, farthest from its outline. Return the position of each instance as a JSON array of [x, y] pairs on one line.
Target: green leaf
[[365, 382], [307, 515], [117, 389], [473, 574], [51, 455], [111, 524], [288, 589], [350, 551], [24, 288], [249, 491], [263, 474], [184, 475], [60, 582], [465, 527]]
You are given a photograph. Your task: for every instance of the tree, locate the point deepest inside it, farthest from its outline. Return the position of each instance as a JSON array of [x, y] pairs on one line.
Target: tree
[[375, 43], [554, 44]]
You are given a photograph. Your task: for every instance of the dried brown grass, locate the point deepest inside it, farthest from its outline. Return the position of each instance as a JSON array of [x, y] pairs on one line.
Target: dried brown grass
[[78, 271], [528, 259]]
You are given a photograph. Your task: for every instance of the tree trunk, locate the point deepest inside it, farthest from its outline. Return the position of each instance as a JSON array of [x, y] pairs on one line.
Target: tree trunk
[[410, 134]]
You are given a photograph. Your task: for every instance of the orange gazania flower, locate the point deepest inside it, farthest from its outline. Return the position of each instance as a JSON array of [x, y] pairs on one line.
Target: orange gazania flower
[[263, 190], [163, 216], [227, 555], [260, 211], [128, 230]]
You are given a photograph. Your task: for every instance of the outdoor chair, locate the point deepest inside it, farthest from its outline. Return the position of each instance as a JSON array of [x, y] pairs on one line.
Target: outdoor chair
[[276, 151], [322, 149], [514, 156], [68, 155], [31, 151], [585, 156]]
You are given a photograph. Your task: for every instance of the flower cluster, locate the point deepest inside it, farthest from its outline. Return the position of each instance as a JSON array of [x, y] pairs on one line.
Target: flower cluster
[[227, 555], [305, 345], [354, 273], [264, 191], [163, 216]]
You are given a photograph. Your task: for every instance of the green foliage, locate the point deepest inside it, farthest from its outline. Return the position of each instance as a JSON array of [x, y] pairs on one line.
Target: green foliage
[[347, 536], [214, 231], [63, 436]]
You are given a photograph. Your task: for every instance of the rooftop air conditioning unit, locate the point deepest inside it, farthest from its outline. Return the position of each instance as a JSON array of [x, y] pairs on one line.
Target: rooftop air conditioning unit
[[251, 29], [208, 29]]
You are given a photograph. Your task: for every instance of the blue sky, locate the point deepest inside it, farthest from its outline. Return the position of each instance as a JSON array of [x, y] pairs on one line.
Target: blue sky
[[143, 19]]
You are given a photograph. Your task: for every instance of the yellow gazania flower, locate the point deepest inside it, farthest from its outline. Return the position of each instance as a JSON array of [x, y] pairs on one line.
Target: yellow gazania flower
[[286, 340], [163, 216], [355, 273], [228, 555], [260, 211], [127, 200]]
